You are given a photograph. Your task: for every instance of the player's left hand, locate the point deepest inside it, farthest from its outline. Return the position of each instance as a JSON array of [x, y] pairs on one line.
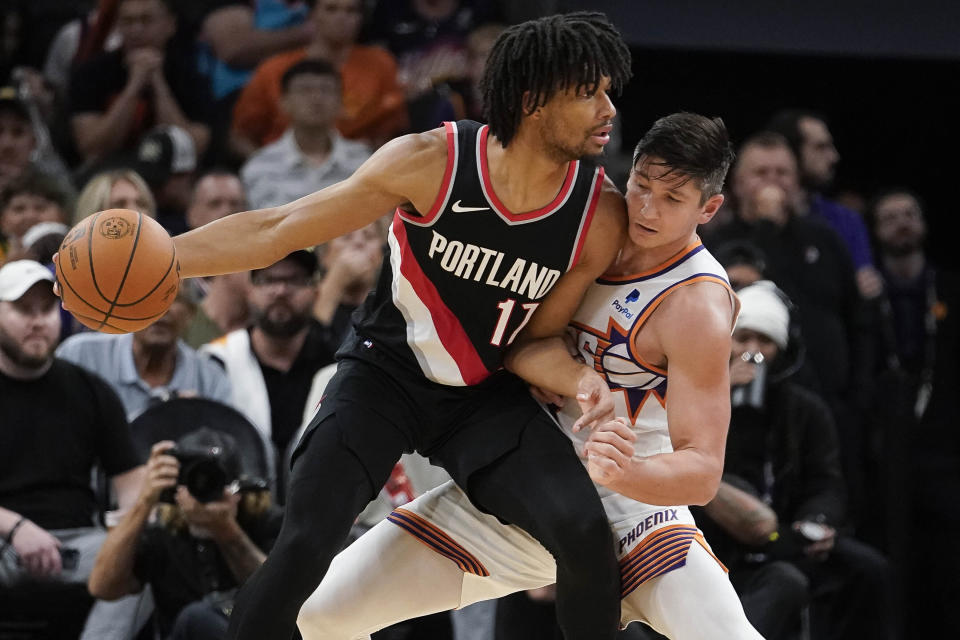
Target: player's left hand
[[609, 451], [596, 401]]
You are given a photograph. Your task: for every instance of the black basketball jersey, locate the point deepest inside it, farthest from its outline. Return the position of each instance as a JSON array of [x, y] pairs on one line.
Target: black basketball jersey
[[461, 280]]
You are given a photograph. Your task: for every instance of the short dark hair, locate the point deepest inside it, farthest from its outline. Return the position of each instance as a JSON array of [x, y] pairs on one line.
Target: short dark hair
[[691, 145], [316, 67], [34, 183], [870, 211], [786, 122], [545, 56], [767, 140], [740, 252]]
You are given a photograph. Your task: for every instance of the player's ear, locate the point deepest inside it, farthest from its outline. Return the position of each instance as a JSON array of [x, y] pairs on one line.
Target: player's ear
[[710, 208], [530, 108]]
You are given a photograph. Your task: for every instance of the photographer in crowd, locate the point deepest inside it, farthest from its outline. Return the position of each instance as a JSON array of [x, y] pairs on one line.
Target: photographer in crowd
[[193, 535], [782, 445]]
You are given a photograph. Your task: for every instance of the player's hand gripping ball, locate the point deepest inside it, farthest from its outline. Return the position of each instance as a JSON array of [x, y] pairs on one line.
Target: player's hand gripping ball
[[117, 271]]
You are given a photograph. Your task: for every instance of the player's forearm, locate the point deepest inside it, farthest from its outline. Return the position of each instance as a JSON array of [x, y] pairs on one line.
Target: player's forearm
[[686, 476], [546, 363], [258, 239], [239, 242]]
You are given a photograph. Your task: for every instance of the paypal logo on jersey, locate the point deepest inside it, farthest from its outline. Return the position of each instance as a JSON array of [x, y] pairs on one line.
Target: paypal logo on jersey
[[622, 308]]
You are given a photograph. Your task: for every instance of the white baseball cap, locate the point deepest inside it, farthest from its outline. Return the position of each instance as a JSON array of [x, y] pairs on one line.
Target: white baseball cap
[[18, 276]]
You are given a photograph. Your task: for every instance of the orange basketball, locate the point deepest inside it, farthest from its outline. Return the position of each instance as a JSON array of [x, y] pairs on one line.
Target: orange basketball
[[118, 271]]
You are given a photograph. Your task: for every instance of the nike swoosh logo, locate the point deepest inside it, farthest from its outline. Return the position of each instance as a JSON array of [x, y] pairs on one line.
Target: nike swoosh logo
[[456, 208]]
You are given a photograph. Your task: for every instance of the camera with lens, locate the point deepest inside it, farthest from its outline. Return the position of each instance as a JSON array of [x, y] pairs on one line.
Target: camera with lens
[[203, 471]]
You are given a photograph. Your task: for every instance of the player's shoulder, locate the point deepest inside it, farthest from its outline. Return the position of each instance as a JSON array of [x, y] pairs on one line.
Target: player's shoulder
[[414, 153], [611, 205], [702, 308]]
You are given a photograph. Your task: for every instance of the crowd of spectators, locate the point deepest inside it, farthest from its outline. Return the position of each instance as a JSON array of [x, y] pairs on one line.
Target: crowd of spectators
[[843, 438]]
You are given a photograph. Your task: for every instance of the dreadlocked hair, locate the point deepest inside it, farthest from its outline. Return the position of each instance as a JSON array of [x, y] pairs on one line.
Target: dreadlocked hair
[[548, 55]]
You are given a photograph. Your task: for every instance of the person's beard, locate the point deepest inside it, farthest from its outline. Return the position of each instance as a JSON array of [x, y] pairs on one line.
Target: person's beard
[[283, 327], [12, 350]]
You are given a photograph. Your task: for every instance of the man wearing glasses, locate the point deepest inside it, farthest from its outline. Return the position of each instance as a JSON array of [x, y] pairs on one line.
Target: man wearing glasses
[[272, 362]]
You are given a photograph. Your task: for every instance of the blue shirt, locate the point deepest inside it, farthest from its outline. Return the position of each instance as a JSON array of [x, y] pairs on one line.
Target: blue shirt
[[848, 224], [111, 357]]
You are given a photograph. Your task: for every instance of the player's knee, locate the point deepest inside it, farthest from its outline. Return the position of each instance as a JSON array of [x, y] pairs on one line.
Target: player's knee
[[303, 557]]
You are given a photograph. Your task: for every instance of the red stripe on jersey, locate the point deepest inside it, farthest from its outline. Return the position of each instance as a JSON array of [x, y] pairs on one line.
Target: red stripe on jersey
[[591, 208], [444, 185], [499, 206], [449, 330]]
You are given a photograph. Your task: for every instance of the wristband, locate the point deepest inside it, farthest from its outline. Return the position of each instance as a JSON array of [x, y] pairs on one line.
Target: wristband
[[9, 539]]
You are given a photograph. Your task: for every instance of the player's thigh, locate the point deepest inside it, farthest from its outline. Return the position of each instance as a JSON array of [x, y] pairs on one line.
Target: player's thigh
[[694, 602], [540, 486], [384, 577]]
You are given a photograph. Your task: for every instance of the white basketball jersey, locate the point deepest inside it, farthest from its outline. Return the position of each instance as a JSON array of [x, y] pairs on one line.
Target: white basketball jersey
[[606, 325]]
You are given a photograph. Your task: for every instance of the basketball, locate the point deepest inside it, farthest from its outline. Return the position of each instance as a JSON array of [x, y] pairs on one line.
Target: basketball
[[118, 271]]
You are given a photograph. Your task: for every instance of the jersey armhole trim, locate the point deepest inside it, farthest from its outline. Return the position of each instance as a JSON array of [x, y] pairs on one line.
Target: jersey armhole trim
[[587, 219], [443, 195], [652, 306]]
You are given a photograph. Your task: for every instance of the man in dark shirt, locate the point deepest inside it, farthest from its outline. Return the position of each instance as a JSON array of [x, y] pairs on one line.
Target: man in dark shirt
[[119, 96], [916, 407], [809, 261], [58, 423], [284, 348]]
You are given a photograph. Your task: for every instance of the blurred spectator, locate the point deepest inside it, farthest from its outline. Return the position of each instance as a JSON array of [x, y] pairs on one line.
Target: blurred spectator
[[223, 299], [783, 444], [216, 193], [30, 199], [373, 109], [196, 552], [117, 97], [811, 141], [271, 365], [48, 449], [79, 40], [311, 154], [429, 40], [17, 139], [808, 260], [42, 240], [468, 100], [151, 365], [243, 33], [743, 262], [349, 266], [115, 189], [166, 159], [916, 406]]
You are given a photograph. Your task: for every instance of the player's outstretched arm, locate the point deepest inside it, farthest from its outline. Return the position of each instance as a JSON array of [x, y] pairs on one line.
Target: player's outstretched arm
[[693, 328], [539, 354], [406, 170]]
